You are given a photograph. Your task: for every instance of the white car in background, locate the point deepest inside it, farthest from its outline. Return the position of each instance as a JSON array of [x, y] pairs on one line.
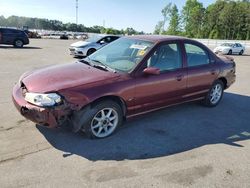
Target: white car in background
[[89, 46], [229, 49]]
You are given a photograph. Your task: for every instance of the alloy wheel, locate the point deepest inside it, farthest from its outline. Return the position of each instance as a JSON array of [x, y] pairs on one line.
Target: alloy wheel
[[104, 122], [19, 43], [216, 93]]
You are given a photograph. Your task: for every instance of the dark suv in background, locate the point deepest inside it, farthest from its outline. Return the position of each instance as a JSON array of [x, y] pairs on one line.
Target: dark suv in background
[[14, 37]]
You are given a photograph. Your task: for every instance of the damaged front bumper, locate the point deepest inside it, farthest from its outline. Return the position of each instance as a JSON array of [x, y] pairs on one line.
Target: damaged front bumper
[[50, 117]]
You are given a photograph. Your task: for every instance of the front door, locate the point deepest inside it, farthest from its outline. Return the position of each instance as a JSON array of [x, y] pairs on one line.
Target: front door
[[155, 91]]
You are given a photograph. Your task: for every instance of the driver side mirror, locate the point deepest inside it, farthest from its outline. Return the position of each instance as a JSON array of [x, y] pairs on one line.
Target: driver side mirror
[[102, 42], [151, 71]]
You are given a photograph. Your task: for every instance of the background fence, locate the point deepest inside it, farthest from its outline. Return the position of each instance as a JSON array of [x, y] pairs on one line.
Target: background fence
[[216, 42]]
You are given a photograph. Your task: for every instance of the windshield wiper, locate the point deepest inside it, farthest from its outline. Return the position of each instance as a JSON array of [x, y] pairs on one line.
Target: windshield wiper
[[102, 65], [86, 62]]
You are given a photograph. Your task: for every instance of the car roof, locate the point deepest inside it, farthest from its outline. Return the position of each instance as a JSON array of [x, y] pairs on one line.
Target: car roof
[[156, 38], [10, 29], [107, 35]]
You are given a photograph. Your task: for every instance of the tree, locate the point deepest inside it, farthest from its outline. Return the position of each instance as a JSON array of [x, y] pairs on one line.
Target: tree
[[193, 14], [224, 19], [158, 28], [56, 25], [130, 31], [174, 27], [166, 11], [169, 13], [3, 21], [211, 25]]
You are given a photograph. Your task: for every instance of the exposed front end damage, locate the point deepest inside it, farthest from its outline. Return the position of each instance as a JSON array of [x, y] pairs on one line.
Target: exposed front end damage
[[47, 116]]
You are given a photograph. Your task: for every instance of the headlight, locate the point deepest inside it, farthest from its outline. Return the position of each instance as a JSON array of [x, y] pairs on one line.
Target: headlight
[[82, 46], [43, 100]]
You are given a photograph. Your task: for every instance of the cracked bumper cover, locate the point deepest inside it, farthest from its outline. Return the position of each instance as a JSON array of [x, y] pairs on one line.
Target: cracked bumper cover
[[50, 117]]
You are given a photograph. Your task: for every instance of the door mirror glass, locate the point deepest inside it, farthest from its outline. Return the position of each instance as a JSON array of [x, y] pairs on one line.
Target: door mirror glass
[[151, 71]]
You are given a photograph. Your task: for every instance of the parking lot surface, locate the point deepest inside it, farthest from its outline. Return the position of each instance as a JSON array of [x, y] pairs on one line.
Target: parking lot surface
[[182, 146]]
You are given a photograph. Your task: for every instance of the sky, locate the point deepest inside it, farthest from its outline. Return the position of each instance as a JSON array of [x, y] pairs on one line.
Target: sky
[[142, 15]]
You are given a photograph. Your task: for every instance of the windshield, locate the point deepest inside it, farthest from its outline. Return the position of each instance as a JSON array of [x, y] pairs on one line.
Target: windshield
[[227, 44], [123, 54], [94, 38]]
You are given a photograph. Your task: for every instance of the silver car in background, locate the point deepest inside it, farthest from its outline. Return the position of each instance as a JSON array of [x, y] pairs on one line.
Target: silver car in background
[[90, 45], [230, 48]]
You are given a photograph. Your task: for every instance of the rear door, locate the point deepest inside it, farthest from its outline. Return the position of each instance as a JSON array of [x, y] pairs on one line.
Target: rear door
[[238, 48], [202, 70], [9, 36], [155, 91]]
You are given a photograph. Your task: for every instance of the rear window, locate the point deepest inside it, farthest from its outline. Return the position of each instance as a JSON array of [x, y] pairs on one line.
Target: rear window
[[196, 55], [11, 31]]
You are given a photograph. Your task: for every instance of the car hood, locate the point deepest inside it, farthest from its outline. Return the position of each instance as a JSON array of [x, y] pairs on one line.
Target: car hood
[[55, 78], [80, 43]]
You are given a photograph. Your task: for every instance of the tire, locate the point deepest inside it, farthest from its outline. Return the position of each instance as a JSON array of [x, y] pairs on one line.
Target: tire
[[241, 52], [18, 43], [106, 117], [91, 51], [215, 94], [230, 52]]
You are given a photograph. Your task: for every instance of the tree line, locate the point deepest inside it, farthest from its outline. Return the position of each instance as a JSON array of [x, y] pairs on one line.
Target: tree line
[[56, 25], [224, 19]]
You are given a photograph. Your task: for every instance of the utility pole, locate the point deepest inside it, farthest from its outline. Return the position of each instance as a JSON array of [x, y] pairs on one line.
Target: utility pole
[[76, 12], [103, 23]]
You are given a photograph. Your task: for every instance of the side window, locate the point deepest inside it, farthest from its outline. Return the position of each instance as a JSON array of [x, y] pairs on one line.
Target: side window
[[238, 45], [11, 31], [113, 39], [166, 57], [196, 56], [107, 39], [3, 31]]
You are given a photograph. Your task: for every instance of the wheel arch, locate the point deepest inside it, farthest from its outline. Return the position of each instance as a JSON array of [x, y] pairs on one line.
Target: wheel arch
[[114, 98], [91, 48], [224, 80], [16, 39]]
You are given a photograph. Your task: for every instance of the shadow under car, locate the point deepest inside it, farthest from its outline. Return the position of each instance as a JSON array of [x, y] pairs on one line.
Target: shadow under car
[[162, 133]]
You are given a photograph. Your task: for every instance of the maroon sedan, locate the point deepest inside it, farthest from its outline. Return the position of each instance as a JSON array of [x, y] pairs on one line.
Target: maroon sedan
[[128, 77]]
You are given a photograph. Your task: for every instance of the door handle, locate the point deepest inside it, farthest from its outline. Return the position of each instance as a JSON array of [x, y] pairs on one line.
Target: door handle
[[179, 77]]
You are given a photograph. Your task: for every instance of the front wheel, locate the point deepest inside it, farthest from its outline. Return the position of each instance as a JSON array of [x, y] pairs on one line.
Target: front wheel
[[230, 52], [107, 117], [215, 94], [241, 52], [91, 51], [18, 43]]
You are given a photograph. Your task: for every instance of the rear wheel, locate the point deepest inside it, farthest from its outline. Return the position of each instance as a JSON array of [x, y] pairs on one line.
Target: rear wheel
[[107, 117], [215, 94], [18, 43]]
